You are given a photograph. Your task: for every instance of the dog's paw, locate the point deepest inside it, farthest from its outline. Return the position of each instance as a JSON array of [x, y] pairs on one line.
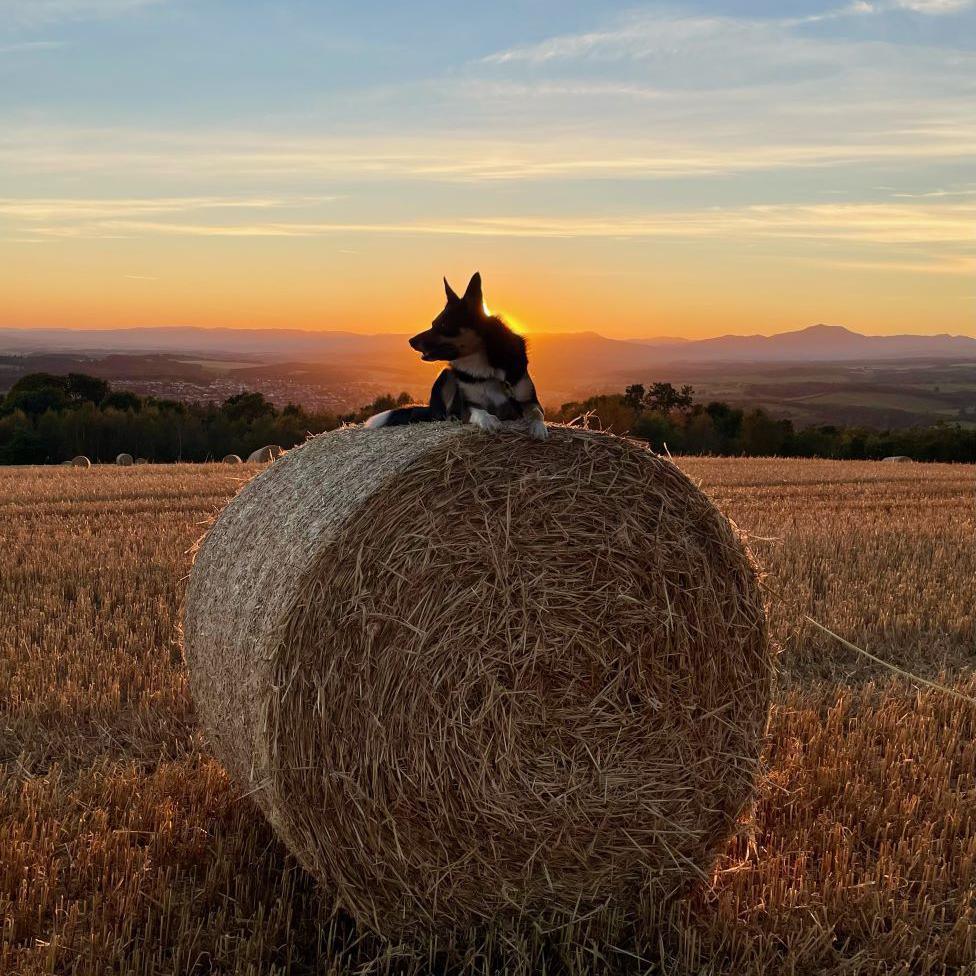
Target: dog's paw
[[538, 430], [487, 422]]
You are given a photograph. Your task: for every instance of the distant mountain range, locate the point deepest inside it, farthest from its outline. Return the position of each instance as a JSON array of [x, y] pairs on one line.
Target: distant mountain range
[[262, 344], [824, 343], [556, 352]]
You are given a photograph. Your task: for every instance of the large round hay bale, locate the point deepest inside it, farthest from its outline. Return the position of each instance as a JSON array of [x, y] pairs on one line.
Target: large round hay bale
[[270, 452], [897, 459], [470, 676], [232, 459], [124, 460], [141, 461], [80, 461]]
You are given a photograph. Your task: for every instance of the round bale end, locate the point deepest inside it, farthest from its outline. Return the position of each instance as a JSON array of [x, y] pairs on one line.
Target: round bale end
[[265, 455], [469, 677]]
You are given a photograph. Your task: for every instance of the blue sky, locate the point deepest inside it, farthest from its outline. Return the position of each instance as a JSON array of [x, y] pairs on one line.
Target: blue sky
[[714, 167]]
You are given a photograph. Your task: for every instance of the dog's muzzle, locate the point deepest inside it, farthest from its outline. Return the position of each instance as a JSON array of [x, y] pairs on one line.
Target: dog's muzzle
[[431, 350]]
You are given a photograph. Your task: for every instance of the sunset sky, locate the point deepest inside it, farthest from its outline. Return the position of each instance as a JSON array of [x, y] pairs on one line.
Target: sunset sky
[[638, 170]]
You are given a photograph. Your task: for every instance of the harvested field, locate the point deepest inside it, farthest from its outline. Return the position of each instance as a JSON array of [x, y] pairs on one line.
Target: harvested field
[[125, 849]]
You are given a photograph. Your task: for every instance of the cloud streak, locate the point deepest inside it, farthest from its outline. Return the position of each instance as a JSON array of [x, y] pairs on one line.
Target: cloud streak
[[934, 6], [883, 224], [662, 33], [859, 7], [474, 159], [60, 208], [28, 47]]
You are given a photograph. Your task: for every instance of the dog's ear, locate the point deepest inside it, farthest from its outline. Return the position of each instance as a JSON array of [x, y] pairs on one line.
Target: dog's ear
[[472, 294], [451, 296]]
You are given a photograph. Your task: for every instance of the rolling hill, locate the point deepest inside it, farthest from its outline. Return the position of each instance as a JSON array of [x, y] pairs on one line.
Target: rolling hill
[[819, 343], [820, 374]]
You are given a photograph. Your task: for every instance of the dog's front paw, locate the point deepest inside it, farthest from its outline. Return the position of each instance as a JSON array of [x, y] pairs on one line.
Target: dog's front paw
[[538, 430], [486, 421]]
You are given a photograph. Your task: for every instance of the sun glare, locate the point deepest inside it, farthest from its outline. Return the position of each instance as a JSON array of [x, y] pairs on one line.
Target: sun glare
[[511, 321]]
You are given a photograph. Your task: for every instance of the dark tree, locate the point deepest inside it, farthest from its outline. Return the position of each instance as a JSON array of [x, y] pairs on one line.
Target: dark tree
[[86, 389], [635, 396], [37, 401], [39, 381], [248, 406], [664, 397], [726, 420], [122, 400]]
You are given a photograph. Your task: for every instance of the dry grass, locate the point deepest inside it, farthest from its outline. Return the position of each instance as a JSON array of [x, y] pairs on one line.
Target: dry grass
[[124, 849]]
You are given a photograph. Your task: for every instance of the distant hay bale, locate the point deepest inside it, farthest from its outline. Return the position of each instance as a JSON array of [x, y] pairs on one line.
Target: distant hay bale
[[897, 459], [232, 459], [81, 461], [68, 464], [468, 676], [270, 452], [141, 461], [124, 460]]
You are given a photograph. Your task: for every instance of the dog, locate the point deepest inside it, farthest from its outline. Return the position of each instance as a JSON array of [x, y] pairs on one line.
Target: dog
[[487, 379]]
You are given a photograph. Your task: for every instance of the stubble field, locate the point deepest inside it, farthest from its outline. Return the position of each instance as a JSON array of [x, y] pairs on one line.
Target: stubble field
[[125, 849]]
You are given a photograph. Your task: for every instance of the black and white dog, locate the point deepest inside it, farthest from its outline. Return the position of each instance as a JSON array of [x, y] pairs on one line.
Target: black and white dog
[[487, 379]]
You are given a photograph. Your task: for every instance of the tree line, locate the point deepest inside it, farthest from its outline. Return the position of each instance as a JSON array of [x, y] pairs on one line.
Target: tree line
[[46, 418], [670, 419]]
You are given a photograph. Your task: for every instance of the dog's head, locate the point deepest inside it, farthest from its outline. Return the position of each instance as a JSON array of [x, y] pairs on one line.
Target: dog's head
[[459, 329]]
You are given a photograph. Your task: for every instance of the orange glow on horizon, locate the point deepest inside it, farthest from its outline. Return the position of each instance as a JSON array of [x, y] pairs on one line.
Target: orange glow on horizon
[[691, 292]]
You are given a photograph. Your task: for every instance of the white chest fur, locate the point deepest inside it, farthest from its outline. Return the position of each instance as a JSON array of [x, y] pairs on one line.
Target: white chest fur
[[485, 393], [489, 389]]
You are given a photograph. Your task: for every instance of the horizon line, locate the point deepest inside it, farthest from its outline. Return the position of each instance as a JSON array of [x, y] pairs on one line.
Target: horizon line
[[529, 334]]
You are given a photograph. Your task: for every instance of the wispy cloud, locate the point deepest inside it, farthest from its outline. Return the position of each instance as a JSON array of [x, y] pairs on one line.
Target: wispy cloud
[[922, 238], [961, 265], [934, 6], [434, 158], [737, 94], [638, 37], [26, 47], [663, 35], [936, 194], [858, 223], [61, 208]]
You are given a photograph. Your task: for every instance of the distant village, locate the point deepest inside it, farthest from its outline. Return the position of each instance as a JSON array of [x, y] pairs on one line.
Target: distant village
[[336, 397]]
